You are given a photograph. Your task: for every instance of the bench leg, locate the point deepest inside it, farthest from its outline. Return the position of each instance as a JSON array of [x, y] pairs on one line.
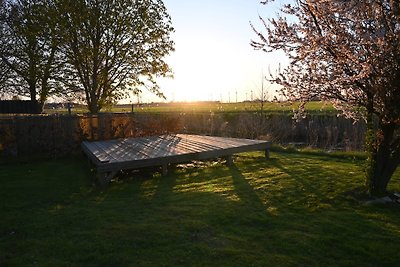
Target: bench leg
[[267, 154], [229, 160], [164, 169], [104, 178]]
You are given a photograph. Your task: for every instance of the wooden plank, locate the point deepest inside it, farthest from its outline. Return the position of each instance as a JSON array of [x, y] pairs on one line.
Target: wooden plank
[[131, 150], [147, 162], [196, 146], [183, 147], [220, 143], [177, 143], [105, 146], [104, 156], [203, 145], [148, 144], [155, 147], [225, 141], [121, 150], [86, 148]]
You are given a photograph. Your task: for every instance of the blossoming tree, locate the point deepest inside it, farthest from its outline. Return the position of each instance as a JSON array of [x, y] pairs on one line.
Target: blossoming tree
[[346, 52]]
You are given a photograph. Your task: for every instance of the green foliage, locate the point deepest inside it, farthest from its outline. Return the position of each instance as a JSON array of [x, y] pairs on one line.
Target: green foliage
[[97, 51], [29, 49], [115, 46], [294, 209]]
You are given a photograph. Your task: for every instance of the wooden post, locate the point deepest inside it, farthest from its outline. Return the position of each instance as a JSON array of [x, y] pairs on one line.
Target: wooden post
[[101, 178], [104, 178], [267, 154], [229, 160], [164, 169]]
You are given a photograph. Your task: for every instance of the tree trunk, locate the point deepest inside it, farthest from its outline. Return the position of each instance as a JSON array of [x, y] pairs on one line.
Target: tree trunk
[[32, 90], [93, 107], [42, 97], [33, 94], [40, 105], [383, 156]]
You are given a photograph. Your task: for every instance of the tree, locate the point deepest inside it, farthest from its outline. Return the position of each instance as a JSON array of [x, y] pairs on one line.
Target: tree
[[29, 48], [4, 74], [346, 52], [115, 46], [4, 69]]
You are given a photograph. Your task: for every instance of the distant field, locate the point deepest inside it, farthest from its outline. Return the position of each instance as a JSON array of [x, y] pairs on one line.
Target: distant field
[[312, 107]]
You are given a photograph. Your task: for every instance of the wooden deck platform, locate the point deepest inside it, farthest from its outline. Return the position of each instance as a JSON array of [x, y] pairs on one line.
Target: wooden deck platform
[[111, 156]]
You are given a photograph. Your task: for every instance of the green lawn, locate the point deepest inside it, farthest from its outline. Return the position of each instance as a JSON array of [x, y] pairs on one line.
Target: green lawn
[[294, 209]]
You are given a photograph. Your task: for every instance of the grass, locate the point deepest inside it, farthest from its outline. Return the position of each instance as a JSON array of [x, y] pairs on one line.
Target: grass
[[294, 209], [269, 107], [315, 107]]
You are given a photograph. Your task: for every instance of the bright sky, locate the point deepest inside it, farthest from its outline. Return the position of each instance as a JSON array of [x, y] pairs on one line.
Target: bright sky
[[213, 58]]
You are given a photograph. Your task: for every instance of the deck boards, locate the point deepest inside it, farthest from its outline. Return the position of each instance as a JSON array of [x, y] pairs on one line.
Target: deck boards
[[131, 153]]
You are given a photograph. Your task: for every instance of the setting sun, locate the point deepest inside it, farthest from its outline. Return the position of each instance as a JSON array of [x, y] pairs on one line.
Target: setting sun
[[213, 59]]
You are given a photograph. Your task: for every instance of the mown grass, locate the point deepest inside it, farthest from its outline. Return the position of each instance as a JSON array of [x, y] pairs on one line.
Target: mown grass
[[294, 209], [315, 107]]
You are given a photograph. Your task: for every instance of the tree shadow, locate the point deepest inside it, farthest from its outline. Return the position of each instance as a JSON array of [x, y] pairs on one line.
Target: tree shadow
[[245, 191], [310, 226], [165, 185], [187, 219], [310, 185]]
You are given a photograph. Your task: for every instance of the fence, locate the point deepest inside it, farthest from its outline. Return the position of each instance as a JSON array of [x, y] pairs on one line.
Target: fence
[[319, 131], [19, 107], [56, 135]]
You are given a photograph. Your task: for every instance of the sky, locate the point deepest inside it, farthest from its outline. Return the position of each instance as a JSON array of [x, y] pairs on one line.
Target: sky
[[213, 59]]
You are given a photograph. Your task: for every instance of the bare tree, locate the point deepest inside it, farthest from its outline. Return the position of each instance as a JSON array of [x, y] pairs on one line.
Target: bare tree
[[115, 46], [261, 92], [346, 52]]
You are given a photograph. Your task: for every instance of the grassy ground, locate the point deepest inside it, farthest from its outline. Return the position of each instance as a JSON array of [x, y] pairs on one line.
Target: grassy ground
[[295, 209], [312, 107]]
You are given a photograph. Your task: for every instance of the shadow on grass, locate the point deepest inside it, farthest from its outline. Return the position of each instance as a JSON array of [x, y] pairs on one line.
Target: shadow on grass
[[255, 212], [245, 191], [313, 218]]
